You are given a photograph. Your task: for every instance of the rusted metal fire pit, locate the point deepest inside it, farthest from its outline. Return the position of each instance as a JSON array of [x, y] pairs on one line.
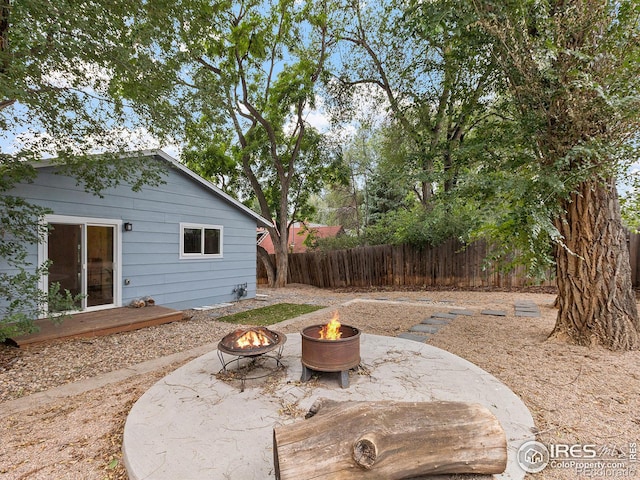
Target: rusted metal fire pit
[[330, 354], [251, 343]]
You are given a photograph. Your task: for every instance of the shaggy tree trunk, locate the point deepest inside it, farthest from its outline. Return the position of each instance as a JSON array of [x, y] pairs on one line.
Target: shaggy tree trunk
[[596, 300]]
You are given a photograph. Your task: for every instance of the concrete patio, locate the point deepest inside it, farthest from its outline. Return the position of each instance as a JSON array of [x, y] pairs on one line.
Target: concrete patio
[[194, 425]]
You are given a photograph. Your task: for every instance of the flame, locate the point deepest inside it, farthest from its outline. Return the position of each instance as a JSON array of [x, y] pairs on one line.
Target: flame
[[331, 331], [251, 338]]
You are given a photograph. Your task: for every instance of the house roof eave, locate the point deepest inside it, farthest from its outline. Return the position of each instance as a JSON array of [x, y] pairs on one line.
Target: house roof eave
[[260, 220], [207, 184]]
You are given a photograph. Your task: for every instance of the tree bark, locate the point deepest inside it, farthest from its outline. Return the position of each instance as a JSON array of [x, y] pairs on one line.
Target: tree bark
[[282, 269], [596, 300], [389, 440], [281, 250]]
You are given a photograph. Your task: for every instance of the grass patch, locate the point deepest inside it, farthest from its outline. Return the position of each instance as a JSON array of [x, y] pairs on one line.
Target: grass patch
[[269, 315]]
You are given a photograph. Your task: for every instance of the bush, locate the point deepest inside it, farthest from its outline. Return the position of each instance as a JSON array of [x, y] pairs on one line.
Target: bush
[[338, 243], [422, 227]]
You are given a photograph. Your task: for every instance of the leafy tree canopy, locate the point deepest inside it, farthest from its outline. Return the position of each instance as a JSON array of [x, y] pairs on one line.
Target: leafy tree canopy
[[242, 77]]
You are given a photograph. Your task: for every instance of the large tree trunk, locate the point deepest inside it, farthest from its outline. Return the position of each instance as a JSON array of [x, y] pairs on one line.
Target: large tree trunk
[[281, 249], [282, 269], [596, 299]]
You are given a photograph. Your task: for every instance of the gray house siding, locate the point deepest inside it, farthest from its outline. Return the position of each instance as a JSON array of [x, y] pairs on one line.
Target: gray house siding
[[150, 253]]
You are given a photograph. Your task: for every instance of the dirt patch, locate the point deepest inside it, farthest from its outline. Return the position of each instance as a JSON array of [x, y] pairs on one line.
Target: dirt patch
[[576, 394]]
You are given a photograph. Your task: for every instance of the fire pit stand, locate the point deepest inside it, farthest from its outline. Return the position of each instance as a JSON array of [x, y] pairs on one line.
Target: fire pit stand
[[322, 355], [343, 379], [225, 346]]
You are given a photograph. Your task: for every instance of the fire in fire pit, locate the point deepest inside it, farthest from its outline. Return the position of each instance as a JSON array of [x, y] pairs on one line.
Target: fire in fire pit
[[330, 348], [251, 343], [331, 331]]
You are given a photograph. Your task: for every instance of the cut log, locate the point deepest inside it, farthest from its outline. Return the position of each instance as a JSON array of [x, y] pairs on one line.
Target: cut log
[[390, 440]]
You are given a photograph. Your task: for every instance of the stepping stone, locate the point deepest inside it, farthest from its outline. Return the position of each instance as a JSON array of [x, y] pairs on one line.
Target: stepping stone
[[449, 316], [424, 328], [435, 321], [461, 312], [527, 310], [414, 337], [524, 302], [495, 313]]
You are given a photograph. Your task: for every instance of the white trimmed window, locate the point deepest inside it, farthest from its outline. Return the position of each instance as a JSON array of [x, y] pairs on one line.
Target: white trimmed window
[[200, 241]]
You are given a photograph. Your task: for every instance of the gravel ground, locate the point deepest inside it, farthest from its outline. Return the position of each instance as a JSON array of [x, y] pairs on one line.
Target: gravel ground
[[576, 395]]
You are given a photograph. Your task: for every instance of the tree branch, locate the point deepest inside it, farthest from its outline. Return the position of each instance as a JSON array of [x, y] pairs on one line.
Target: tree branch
[[7, 103], [208, 66]]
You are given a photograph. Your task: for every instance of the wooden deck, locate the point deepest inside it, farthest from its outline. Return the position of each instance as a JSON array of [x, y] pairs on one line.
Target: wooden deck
[[102, 322]]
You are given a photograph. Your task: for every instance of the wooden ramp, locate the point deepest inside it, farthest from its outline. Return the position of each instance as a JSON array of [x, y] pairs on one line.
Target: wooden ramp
[[102, 322]]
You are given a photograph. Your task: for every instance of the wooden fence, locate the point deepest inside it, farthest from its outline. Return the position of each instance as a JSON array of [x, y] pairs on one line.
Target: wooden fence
[[449, 265]]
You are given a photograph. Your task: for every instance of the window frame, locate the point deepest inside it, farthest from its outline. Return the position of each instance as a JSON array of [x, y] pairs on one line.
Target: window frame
[[201, 255]]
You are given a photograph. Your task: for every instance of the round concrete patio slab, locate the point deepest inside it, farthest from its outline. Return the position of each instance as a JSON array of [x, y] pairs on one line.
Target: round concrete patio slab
[[194, 425]]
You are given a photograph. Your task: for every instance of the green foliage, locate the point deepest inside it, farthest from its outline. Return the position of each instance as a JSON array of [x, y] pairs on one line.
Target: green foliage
[[421, 227], [211, 154], [388, 191], [574, 73], [430, 66], [569, 114], [342, 242], [27, 301], [56, 70], [319, 163], [347, 202], [311, 240]]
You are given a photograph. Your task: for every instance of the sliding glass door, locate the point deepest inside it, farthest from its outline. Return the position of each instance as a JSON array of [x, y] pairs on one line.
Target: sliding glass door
[[83, 260], [100, 266], [64, 251]]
